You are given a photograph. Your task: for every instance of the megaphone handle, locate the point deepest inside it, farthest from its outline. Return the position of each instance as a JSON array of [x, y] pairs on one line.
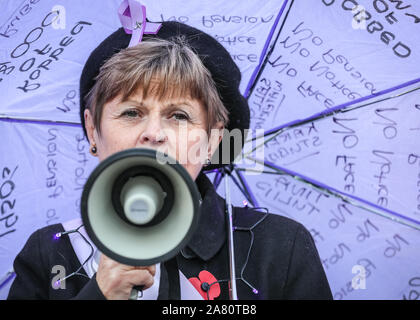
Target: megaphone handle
[[135, 292]]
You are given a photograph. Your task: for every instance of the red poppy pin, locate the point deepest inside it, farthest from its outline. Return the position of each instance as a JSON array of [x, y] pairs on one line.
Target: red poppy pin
[[206, 285]]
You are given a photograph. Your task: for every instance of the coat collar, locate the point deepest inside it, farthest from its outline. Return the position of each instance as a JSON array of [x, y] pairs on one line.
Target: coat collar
[[210, 234]]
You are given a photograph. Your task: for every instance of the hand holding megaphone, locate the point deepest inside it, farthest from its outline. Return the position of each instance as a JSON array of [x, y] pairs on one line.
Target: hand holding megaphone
[[138, 211], [117, 280]]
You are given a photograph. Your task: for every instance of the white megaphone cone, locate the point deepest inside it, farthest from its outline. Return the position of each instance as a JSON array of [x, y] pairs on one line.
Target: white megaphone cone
[[137, 210]]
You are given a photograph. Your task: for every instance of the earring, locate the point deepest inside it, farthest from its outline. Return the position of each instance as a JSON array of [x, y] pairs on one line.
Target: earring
[[93, 150], [207, 162]]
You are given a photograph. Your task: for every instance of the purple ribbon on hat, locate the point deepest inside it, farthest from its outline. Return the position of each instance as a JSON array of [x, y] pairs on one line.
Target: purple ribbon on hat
[[132, 15]]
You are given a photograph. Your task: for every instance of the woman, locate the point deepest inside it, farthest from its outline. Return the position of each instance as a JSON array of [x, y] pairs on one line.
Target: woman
[[153, 95]]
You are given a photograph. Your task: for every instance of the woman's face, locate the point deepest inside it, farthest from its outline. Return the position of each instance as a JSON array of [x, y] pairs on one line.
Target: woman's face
[[175, 126]]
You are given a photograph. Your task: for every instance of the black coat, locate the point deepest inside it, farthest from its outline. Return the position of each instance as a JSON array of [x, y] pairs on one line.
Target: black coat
[[283, 262]]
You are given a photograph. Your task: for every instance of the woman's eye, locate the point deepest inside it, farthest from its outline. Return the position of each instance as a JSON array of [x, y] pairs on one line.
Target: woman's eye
[[180, 116], [131, 113]]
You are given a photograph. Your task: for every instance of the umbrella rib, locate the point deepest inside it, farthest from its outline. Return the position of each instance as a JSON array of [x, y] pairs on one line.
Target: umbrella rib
[[258, 171], [392, 215], [7, 277], [275, 134], [343, 107], [277, 131], [246, 187], [244, 192], [264, 55], [217, 179], [6, 118], [243, 187]]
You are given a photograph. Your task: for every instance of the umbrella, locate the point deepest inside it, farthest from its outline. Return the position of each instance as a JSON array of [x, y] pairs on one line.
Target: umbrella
[[332, 90], [337, 98]]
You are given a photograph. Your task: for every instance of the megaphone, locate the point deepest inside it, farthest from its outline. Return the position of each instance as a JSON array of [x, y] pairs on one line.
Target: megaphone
[[139, 210]]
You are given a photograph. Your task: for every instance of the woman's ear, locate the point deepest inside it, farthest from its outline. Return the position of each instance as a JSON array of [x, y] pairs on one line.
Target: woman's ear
[[90, 126]]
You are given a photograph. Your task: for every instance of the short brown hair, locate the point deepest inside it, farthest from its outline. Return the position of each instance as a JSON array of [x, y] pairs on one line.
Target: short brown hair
[[170, 62]]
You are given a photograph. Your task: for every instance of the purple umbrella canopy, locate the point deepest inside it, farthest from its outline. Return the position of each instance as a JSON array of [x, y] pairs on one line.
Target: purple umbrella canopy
[[333, 88]]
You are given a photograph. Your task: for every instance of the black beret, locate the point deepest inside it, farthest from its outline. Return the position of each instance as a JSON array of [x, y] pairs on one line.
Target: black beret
[[214, 56]]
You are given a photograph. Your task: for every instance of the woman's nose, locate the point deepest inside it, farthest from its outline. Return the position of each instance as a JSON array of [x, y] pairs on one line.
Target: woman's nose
[[153, 133]]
